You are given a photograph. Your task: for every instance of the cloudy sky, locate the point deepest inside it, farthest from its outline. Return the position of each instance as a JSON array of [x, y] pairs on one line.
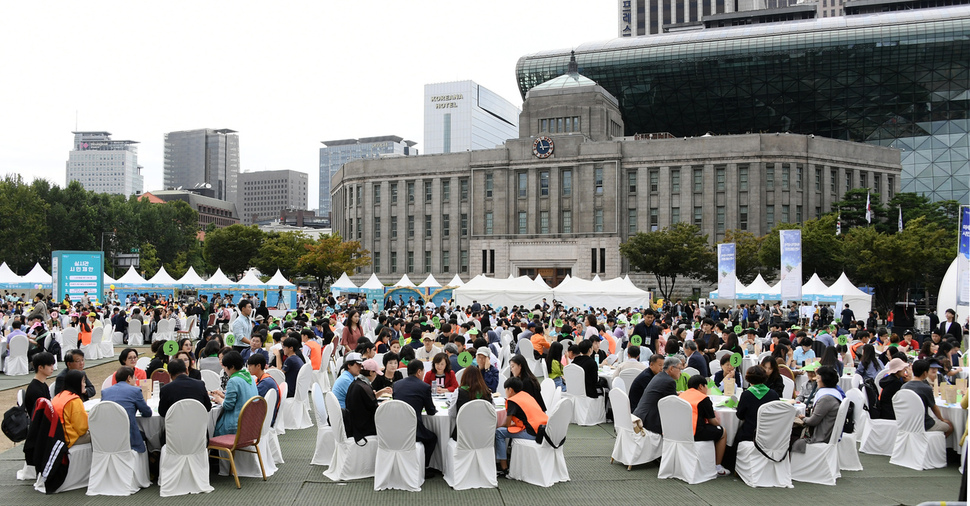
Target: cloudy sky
[[286, 75]]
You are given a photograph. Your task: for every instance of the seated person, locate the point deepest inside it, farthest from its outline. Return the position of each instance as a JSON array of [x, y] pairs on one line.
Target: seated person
[[828, 399], [595, 386], [240, 388], [255, 346], [348, 373], [429, 350], [361, 402], [632, 361], [472, 387], [37, 389], [292, 364], [312, 348], [256, 365], [891, 383], [69, 408], [933, 420], [807, 394], [488, 371], [752, 399], [728, 372], [128, 396], [210, 357], [523, 416], [804, 351], [391, 371], [74, 359], [530, 384], [158, 360], [642, 380], [129, 358], [663, 384], [773, 372], [707, 426], [181, 387], [441, 377], [696, 359], [414, 391]]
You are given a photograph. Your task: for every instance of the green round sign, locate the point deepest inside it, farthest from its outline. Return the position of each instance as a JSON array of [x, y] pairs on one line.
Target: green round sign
[[230, 340], [738, 329], [736, 359], [436, 321], [465, 359], [171, 348], [403, 341], [636, 340], [558, 322], [842, 340]]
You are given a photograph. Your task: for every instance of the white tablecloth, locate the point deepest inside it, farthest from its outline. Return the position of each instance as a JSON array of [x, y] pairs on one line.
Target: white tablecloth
[[154, 426], [958, 416], [729, 418], [440, 423]]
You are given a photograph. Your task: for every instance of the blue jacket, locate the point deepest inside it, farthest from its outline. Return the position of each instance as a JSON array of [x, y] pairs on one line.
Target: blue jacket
[[131, 399], [490, 376], [238, 391], [340, 387]]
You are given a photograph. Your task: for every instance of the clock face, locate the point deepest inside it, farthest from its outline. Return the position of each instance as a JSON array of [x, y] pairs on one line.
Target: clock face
[[542, 147]]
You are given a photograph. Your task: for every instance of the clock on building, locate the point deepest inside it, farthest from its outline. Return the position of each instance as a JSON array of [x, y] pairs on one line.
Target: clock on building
[[542, 147]]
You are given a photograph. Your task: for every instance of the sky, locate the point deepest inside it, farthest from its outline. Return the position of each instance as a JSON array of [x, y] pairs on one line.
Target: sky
[[285, 75]]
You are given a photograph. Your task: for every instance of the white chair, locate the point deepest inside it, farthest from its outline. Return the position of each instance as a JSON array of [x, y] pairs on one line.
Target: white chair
[[878, 436], [280, 378], [713, 366], [142, 363], [542, 464], [212, 380], [350, 461], [820, 462], [720, 353], [91, 351], [106, 346], [789, 391], [915, 448], [278, 427], [618, 383], [118, 338], [774, 470], [691, 371], [879, 376], [134, 334], [459, 374], [469, 462], [78, 471], [296, 407], [323, 453], [16, 362], [631, 449], [107, 381], [586, 410], [69, 339], [683, 458], [321, 376], [857, 381], [275, 453], [547, 388], [849, 444], [628, 376], [400, 459], [116, 469], [184, 463]]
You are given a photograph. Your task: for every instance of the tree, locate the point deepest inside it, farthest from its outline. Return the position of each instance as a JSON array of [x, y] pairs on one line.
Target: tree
[[746, 247], [853, 209], [944, 213], [148, 260], [281, 251], [821, 248], [232, 248], [329, 257], [23, 225], [677, 250]]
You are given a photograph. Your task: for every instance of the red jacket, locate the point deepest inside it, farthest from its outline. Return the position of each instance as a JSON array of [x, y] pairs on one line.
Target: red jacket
[[451, 383]]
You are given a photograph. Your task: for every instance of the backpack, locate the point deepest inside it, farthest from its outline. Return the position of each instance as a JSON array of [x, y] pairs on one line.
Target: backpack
[[872, 398], [849, 426], [15, 424]]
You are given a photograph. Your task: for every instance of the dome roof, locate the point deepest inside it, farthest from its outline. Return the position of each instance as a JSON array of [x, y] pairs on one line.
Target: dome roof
[[570, 82]]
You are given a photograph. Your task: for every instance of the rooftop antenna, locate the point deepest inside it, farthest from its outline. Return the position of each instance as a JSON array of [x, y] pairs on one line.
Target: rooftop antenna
[[573, 67]]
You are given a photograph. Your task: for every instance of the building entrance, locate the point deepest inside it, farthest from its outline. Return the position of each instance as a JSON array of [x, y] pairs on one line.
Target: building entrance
[[551, 275]]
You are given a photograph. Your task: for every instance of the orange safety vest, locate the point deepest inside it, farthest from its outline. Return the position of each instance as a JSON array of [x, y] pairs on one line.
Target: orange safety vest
[[855, 347], [694, 397], [316, 354], [533, 412]]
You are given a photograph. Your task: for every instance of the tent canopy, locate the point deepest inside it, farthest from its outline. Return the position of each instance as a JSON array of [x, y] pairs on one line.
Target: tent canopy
[[37, 275], [455, 281], [191, 279], [219, 279], [859, 302], [814, 286], [8, 276], [162, 278], [521, 291], [430, 282], [404, 282], [131, 278], [279, 280], [611, 293], [372, 283], [344, 283], [250, 279]]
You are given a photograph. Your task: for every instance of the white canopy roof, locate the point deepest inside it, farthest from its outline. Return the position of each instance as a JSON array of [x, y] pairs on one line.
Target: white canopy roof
[[430, 282], [219, 279], [250, 279], [36, 275], [162, 278], [131, 278], [344, 283], [279, 280], [541, 283], [947, 297], [7, 275], [191, 278], [758, 286], [521, 291], [404, 282], [814, 286], [108, 280], [612, 293], [859, 302], [372, 283], [455, 281]]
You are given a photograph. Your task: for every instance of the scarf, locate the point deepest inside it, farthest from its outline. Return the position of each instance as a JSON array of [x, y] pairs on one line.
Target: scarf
[[759, 391], [244, 374], [822, 392]]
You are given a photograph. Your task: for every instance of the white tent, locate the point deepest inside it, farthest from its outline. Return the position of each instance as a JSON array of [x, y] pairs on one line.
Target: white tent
[[859, 302], [219, 279], [612, 293], [37, 275], [404, 282], [108, 280], [740, 292], [8, 276], [250, 279], [541, 283], [190, 279], [814, 286], [521, 291], [372, 283], [162, 278], [455, 282], [279, 280], [131, 278], [758, 289], [344, 283], [947, 297], [430, 282]]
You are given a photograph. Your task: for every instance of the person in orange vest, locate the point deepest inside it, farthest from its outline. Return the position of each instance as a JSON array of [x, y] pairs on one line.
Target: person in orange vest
[[523, 417], [310, 344], [704, 420]]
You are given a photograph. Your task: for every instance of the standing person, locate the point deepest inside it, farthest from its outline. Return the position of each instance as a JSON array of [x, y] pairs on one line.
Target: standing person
[[352, 332], [242, 326], [848, 317], [950, 326], [648, 330], [414, 391], [129, 397], [74, 360]]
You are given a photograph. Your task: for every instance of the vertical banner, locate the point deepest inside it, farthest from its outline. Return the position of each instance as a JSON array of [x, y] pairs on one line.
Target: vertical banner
[[76, 272], [963, 259], [726, 273], [791, 264]]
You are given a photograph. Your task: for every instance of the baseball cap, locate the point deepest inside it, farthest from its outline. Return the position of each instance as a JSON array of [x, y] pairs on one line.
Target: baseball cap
[[372, 365], [473, 331], [483, 351], [428, 336], [451, 348], [895, 365], [353, 357], [934, 365]]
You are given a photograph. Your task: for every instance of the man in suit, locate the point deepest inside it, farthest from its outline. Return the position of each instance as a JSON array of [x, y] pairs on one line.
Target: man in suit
[[181, 387], [952, 327], [642, 381], [74, 359], [662, 385], [696, 359], [129, 397], [414, 391]]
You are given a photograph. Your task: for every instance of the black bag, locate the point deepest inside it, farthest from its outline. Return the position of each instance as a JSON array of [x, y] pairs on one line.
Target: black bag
[[849, 426], [16, 421], [872, 396]]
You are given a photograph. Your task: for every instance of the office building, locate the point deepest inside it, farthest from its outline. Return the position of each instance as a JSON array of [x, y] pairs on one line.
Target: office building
[[561, 197], [205, 160], [899, 79], [465, 116], [216, 212], [338, 152], [264, 195], [104, 165]]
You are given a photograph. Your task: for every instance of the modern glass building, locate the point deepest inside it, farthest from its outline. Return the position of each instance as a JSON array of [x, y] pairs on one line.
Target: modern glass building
[[206, 160], [465, 116], [898, 79]]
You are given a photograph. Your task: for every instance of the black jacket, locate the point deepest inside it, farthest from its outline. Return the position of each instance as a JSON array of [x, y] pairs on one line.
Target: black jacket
[[662, 385], [182, 387], [639, 385], [45, 447], [361, 407], [591, 376], [417, 393], [649, 334]]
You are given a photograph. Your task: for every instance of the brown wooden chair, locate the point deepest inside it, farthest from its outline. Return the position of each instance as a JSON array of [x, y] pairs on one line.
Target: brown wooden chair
[[248, 431], [161, 376]]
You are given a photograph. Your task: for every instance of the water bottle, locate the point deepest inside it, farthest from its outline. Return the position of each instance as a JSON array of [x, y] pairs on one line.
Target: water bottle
[[155, 389]]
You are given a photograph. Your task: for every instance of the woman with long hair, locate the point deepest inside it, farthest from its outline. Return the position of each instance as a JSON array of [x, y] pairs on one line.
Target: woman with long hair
[[773, 380], [732, 344], [472, 388], [352, 331], [554, 363], [830, 357], [870, 365], [520, 369], [70, 409]]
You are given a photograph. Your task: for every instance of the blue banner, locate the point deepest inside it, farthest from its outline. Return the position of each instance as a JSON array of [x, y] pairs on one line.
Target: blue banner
[[791, 264], [75, 273], [726, 273], [963, 259]]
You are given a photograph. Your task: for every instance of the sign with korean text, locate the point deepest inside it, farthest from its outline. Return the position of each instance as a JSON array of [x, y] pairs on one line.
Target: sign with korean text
[[76, 272]]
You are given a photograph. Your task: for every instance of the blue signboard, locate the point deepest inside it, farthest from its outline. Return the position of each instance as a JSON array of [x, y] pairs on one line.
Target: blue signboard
[[76, 272]]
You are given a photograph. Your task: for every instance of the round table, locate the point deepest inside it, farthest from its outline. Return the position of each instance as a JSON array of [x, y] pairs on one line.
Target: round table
[[154, 426], [958, 417], [729, 417], [441, 424]]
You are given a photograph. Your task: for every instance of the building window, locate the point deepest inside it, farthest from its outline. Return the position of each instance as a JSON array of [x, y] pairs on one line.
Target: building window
[[567, 222], [464, 189], [818, 180], [593, 264], [427, 226], [350, 197], [428, 192], [654, 219], [410, 192], [445, 225], [377, 193], [543, 222], [489, 185], [543, 125], [598, 180], [631, 221], [798, 176], [488, 223], [891, 186], [360, 229], [863, 180], [446, 261], [698, 180], [410, 226], [785, 176], [464, 224], [427, 262], [523, 184], [567, 183], [720, 219], [848, 179], [544, 183], [393, 227], [598, 220], [359, 191], [785, 213], [602, 260], [877, 183], [798, 214], [393, 262], [769, 176], [394, 193], [834, 183], [463, 261], [377, 227], [742, 177], [377, 262], [674, 215], [770, 215], [743, 217], [675, 181], [698, 216], [522, 222], [445, 190], [410, 261]]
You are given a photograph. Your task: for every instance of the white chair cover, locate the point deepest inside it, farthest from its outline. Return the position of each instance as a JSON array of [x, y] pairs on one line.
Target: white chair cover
[[78, 471], [542, 465], [275, 452], [117, 338], [878, 436], [69, 339], [628, 376], [547, 388], [849, 444], [470, 461], [631, 449], [789, 391], [211, 379], [16, 362], [91, 351], [142, 362], [278, 428], [116, 469], [322, 377], [683, 458], [134, 335], [106, 346], [400, 460], [915, 448], [586, 411], [820, 462], [107, 381], [323, 453], [296, 407], [618, 383], [350, 460], [184, 463], [692, 371], [752, 466]]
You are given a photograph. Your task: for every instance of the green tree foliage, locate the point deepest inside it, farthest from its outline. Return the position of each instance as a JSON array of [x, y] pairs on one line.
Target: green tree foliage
[[945, 213], [232, 248], [149, 263], [677, 250], [821, 248], [282, 251], [329, 257], [853, 208], [23, 225], [746, 250]]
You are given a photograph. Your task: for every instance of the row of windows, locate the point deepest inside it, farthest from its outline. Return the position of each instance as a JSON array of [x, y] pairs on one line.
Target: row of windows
[[428, 187], [445, 261], [559, 125], [445, 226], [720, 211]]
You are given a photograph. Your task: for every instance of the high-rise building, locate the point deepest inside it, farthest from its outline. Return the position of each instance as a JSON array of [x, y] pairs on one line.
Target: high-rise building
[[265, 194], [336, 153], [651, 17], [465, 116], [205, 161], [104, 165]]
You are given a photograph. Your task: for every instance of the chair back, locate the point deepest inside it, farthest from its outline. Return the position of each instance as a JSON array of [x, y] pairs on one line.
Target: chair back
[[909, 411], [859, 413], [763, 355], [18, 346], [675, 419], [789, 391], [277, 376], [691, 371], [108, 424], [397, 425], [70, 336], [97, 335], [524, 345], [271, 399], [621, 409], [547, 388], [575, 379], [327, 354], [628, 376], [107, 381], [713, 366], [251, 419], [186, 423], [161, 376], [142, 363], [879, 376], [304, 379], [857, 381], [559, 421], [772, 416], [505, 337], [786, 372], [212, 380], [619, 383], [459, 374], [20, 397], [476, 425], [319, 405], [840, 421], [337, 419], [720, 353]]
